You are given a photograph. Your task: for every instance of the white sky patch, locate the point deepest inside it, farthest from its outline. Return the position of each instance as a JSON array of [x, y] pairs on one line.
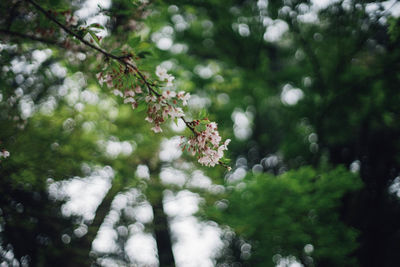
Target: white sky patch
[[289, 261], [290, 96], [198, 180], [321, 4], [142, 249], [27, 107], [237, 175], [394, 188], [242, 124], [197, 243], [114, 148], [392, 7], [104, 240], [171, 176], [170, 149], [84, 194], [143, 172], [205, 72], [90, 8], [143, 212], [275, 30], [164, 38], [243, 30], [183, 204], [179, 127], [198, 102]]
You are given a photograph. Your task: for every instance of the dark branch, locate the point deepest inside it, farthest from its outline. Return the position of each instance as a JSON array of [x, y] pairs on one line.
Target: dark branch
[[30, 37]]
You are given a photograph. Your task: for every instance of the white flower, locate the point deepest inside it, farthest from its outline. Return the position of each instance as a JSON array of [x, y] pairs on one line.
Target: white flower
[[150, 98], [157, 129], [104, 78], [169, 79], [176, 113], [138, 90], [118, 93], [129, 100], [184, 97], [71, 20], [161, 73], [164, 76], [168, 94], [149, 119], [129, 93]]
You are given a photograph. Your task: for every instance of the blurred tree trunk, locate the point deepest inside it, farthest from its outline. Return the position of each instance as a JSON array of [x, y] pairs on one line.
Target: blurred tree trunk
[[85, 243], [162, 235], [160, 223]]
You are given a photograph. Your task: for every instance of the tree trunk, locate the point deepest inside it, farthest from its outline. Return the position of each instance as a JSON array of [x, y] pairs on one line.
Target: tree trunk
[[85, 243], [161, 228]]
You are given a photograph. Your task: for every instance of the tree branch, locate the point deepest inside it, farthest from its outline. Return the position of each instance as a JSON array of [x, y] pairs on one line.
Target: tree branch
[[122, 59], [125, 61], [30, 37]]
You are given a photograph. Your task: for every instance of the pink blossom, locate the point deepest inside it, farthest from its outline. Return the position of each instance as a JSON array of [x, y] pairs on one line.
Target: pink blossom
[[169, 80], [138, 90], [164, 76], [129, 93], [161, 73], [118, 93], [150, 98], [129, 100], [208, 145], [184, 97], [157, 129], [168, 94]]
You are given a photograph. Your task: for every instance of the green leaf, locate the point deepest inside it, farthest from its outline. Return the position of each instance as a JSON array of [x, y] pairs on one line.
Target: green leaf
[[201, 127], [94, 36], [203, 114], [225, 160], [96, 25], [143, 54], [134, 42], [142, 106]]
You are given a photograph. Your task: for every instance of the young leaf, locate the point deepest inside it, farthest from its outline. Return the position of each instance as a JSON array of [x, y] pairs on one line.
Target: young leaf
[[134, 42]]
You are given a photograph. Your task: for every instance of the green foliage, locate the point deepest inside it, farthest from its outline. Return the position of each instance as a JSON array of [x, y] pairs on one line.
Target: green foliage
[[282, 214]]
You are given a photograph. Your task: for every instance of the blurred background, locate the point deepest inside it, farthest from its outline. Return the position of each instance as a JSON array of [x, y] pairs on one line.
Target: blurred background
[[308, 91]]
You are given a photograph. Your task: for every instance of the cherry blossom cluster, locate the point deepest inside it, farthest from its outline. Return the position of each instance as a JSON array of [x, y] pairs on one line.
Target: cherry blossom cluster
[[164, 104], [160, 109], [206, 143]]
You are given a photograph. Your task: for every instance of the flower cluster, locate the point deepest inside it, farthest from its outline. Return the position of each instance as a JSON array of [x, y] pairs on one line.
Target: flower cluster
[[164, 76], [159, 109], [165, 103], [206, 143]]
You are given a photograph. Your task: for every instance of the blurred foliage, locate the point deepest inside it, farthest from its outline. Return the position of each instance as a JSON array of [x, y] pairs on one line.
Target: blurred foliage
[[322, 95], [281, 215]]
